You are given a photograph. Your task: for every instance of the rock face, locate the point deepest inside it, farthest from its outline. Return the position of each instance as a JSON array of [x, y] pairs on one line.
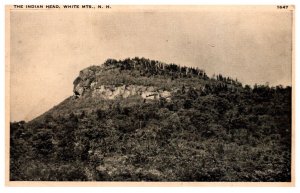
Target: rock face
[[86, 83], [112, 92]]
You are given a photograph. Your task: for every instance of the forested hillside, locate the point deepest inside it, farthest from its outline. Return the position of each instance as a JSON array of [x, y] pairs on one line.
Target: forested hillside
[[144, 120]]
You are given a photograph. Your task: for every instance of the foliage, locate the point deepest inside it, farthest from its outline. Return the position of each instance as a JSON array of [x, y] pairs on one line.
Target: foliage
[[213, 129]]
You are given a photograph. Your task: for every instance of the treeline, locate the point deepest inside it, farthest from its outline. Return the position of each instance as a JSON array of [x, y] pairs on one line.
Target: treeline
[[155, 67], [147, 67]]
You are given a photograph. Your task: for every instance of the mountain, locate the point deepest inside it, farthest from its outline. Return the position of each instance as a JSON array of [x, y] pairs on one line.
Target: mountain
[[144, 120]]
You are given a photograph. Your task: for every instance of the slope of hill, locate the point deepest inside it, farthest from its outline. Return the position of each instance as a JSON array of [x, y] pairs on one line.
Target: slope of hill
[[140, 119]]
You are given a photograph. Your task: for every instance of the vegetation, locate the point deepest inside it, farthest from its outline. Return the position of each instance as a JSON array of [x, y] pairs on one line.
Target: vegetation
[[213, 129]]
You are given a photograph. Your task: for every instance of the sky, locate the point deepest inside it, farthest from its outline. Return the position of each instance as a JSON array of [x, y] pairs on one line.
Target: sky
[[48, 48]]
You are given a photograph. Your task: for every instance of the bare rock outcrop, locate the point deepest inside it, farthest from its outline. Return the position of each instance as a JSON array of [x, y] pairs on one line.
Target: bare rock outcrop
[[124, 91], [85, 84]]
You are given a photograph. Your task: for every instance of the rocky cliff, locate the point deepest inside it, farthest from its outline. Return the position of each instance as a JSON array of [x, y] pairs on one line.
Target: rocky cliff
[[86, 84]]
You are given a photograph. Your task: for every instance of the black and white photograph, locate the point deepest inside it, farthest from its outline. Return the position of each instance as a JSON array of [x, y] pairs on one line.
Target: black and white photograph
[[152, 93]]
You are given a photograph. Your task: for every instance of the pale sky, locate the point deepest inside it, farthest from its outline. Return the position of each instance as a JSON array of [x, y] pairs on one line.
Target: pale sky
[[49, 48]]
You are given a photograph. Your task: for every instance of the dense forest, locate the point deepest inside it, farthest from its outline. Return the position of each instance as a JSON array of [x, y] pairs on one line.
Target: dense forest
[[212, 129]]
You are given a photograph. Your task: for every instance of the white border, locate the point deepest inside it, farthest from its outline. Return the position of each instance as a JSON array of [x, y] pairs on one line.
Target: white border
[[139, 189]]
